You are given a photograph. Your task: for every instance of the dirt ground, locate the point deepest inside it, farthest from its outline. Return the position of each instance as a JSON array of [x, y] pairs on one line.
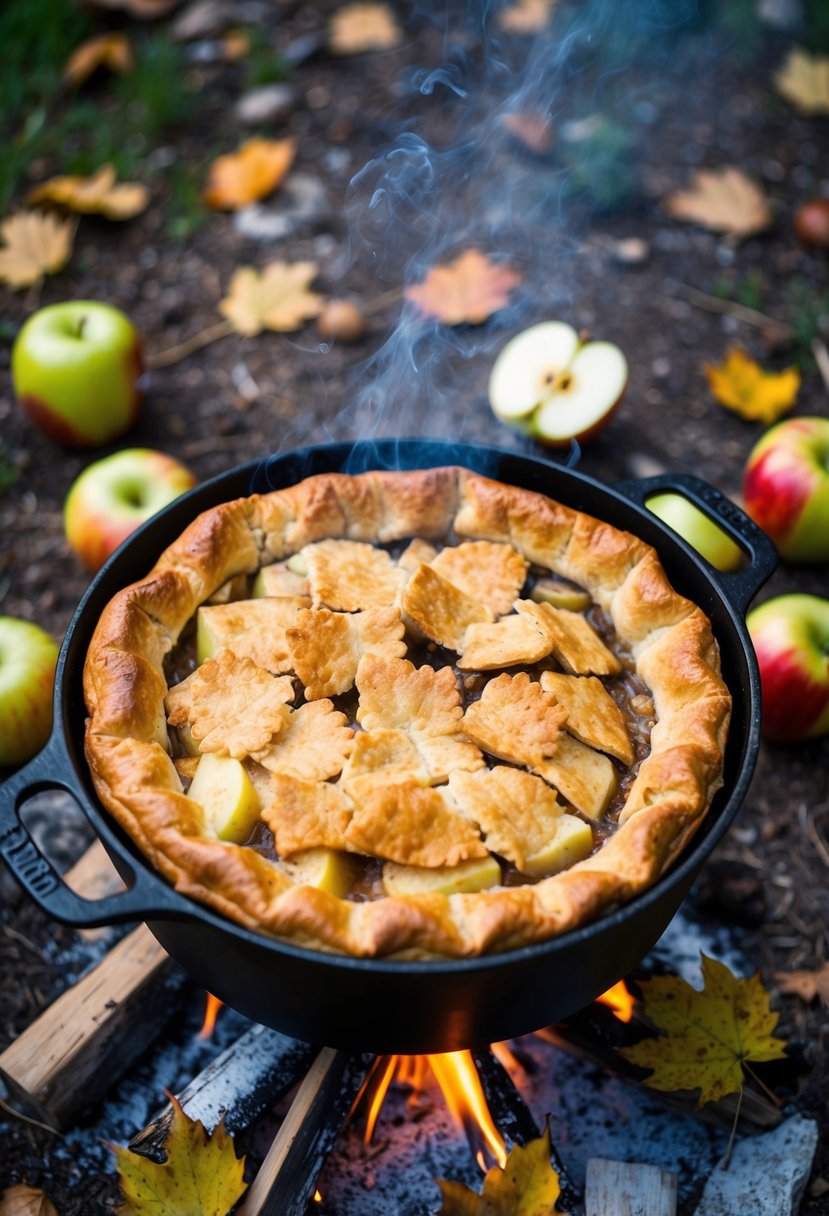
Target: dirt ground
[[401, 162]]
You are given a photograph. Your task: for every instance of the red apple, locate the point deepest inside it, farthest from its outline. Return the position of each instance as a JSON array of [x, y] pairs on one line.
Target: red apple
[[786, 488], [548, 382], [114, 495], [27, 670], [791, 638], [75, 368]]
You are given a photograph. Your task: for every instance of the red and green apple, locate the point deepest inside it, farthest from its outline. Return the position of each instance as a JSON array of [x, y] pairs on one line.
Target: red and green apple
[[693, 525], [27, 671], [75, 368], [113, 496], [791, 637], [786, 488]]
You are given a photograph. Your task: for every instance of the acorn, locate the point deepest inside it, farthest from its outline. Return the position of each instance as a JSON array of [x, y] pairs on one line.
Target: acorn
[[811, 223], [341, 321]]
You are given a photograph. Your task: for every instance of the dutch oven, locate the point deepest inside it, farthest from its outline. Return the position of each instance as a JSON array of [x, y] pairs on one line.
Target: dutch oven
[[385, 1005]]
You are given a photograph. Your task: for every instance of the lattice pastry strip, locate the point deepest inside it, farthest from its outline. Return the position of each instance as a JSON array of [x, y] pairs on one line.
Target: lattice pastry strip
[[517, 812], [576, 645], [313, 745], [584, 777], [490, 574], [233, 707], [306, 815], [347, 575], [327, 646], [592, 714], [516, 720], [511, 640], [436, 609], [252, 629], [413, 825]]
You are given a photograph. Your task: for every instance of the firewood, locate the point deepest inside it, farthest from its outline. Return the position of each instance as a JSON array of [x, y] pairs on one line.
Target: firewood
[[622, 1188], [94, 876]]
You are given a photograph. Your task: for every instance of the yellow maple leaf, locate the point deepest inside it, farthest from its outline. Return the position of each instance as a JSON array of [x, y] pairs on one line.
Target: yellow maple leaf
[[526, 1186], [363, 27], [710, 1034], [804, 81], [22, 1200], [526, 16], [723, 200], [97, 194], [111, 51], [468, 290], [34, 245], [278, 298], [741, 385], [201, 1174], [242, 177]]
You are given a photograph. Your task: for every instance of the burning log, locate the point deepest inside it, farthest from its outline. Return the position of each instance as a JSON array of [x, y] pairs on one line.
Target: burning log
[[71, 1054], [620, 1188]]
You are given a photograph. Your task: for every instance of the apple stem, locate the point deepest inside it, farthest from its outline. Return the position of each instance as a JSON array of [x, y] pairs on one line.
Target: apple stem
[[81, 324]]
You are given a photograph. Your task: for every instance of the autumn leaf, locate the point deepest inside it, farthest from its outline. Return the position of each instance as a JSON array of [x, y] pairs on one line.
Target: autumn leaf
[[806, 984], [94, 195], [526, 16], [533, 131], [709, 1034], [723, 200], [201, 1174], [741, 385], [111, 51], [363, 27], [278, 298], [251, 173], [34, 245], [804, 81], [470, 289], [22, 1200], [526, 1186], [144, 10]]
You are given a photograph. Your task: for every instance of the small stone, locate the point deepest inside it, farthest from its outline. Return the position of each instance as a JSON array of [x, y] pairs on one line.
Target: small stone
[[302, 202], [767, 1174], [342, 321], [203, 19], [631, 251], [271, 103]]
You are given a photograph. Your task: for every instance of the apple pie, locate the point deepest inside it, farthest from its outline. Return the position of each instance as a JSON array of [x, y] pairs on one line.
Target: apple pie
[[409, 714]]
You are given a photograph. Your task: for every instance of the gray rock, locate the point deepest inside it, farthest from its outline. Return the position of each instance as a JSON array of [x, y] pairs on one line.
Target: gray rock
[[767, 1175], [301, 203], [271, 103], [203, 19], [781, 14]]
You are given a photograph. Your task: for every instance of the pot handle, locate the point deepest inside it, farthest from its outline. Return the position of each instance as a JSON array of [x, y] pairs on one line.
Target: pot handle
[[51, 769], [740, 586]]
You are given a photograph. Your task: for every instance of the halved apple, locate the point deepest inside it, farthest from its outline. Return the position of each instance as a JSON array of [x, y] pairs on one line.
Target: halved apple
[[225, 792], [572, 842], [528, 367], [474, 875], [327, 869]]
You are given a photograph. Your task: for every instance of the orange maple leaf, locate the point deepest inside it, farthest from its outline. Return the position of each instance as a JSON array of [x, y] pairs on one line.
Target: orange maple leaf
[[97, 194], [468, 290], [741, 385], [111, 51], [278, 298], [806, 984], [22, 1200], [526, 16], [363, 27], [242, 177], [723, 200]]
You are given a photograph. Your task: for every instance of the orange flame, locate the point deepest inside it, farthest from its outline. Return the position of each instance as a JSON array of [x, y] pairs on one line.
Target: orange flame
[[211, 1012], [620, 1000]]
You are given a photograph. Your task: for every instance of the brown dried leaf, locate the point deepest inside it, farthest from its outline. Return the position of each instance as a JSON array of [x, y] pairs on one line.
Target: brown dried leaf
[[526, 16], [242, 177], [143, 10], [94, 195], [466, 291], [111, 51], [533, 131], [22, 1200], [35, 245], [277, 299], [363, 27], [806, 984], [804, 81], [722, 200]]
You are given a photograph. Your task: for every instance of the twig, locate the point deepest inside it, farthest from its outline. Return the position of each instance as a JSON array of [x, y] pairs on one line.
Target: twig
[[174, 354], [822, 360], [818, 841], [730, 308], [732, 1137], [16, 1114]]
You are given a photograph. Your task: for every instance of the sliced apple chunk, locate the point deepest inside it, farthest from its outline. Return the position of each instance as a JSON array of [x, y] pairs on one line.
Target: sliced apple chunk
[[327, 869], [572, 842], [560, 595], [584, 397], [278, 579], [527, 368], [297, 563], [186, 740], [474, 875], [225, 792]]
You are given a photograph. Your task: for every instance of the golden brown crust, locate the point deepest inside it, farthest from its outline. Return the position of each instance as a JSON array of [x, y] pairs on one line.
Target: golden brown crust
[[675, 653]]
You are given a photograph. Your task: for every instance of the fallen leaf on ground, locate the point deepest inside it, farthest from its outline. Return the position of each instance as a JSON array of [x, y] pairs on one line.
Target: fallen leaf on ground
[[235, 45], [533, 131], [526, 16], [470, 289], [34, 245], [526, 1186], [144, 10], [806, 984], [22, 1200], [97, 194], [741, 385], [723, 200], [709, 1035], [111, 51], [242, 177], [804, 81], [363, 27], [277, 299], [201, 1174]]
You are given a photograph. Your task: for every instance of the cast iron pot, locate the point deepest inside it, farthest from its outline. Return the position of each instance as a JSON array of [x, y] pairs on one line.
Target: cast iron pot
[[378, 1004]]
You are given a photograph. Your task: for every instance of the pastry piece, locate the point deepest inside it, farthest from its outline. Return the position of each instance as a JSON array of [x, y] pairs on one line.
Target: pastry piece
[[312, 746], [436, 609], [490, 574], [592, 714], [515, 720], [585, 778], [575, 644], [382, 756], [233, 707], [346, 575], [326, 647], [413, 825], [252, 629], [512, 640], [306, 815], [279, 579], [517, 813], [418, 552]]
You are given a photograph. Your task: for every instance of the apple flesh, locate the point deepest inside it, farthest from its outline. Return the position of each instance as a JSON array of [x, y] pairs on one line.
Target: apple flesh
[[474, 875], [226, 794], [326, 869], [549, 383], [113, 496], [27, 671], [786, 488], [694, 526], [75, 369], [573, 841], [791, 637]]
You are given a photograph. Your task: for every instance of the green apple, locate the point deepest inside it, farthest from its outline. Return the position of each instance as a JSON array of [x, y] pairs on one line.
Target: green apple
[[327, 869], [75, 369], [572, 842], [113, 496], [474, 875], [225, 792], [694, 526], [27, 671], [560, 595]]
